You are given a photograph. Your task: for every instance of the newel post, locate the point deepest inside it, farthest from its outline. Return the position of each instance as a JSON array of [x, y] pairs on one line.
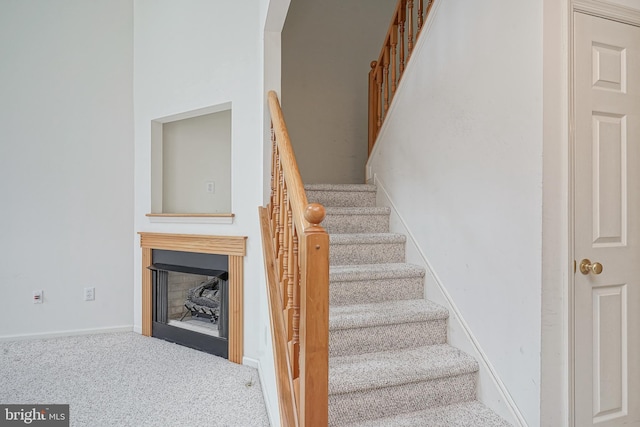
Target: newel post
[[314, 322]]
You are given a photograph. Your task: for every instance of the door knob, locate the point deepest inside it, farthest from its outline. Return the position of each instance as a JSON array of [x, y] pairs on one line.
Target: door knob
[[587, 267]]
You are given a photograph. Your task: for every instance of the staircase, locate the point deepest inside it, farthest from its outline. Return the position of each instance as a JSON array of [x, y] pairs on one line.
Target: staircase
[[389, 361]]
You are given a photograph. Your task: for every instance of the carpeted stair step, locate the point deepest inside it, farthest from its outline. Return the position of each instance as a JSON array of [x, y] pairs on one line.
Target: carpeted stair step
[[341, 194], [368, 328], [464, 414], [369, 283], [340, 220], [367, 248], [375, 385], [389, 362]]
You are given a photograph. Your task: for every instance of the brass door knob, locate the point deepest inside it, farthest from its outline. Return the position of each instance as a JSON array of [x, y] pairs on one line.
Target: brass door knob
[[587, 267]]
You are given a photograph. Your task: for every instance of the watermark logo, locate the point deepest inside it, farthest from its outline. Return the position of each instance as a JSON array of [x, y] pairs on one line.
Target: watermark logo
[[34, 415]]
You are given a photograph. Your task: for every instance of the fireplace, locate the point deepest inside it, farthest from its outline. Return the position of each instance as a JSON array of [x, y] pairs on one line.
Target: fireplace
[[233, 248], [190, 300]]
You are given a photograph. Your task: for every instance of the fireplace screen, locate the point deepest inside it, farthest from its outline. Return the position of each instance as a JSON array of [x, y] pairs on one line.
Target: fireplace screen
[[190, 304]]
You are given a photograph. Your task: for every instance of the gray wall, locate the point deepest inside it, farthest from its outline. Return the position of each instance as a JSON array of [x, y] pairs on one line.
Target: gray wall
[[327, 47], [196, 151]]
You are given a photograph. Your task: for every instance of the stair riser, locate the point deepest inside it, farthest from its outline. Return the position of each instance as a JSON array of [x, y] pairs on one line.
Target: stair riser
[[371, 404], [350, 254], [339, 224], [342, 198], [370, 291], [345, 342]]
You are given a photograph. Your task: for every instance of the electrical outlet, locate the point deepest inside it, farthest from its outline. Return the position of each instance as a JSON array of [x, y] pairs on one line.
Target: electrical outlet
[[89, 294], [37, 297], [211, 187]]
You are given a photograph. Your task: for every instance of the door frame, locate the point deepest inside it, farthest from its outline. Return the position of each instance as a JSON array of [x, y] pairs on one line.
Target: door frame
[[614, 13]]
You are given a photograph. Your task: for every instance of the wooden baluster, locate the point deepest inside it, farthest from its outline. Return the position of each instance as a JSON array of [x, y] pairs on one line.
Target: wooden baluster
[[428, 9], [284, 275], [289, 255], [372, 106], [280, 256], [288, 284], [410, 32], [285, 250], [276, 184], [380, 94], [385, 66], [295, 279], [401, 20], [276, 207], [281, 213], [420, 7], [394, 45], [274, 154]]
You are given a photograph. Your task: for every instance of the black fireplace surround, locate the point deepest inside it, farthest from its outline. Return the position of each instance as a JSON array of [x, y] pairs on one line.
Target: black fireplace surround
[[211, 265]]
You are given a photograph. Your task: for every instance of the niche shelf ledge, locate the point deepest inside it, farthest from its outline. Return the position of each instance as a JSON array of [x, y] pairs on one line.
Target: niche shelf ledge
[[191, 218]]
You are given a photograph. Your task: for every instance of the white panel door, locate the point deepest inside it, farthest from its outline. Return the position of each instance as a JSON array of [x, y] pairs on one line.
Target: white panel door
[[607, 222]]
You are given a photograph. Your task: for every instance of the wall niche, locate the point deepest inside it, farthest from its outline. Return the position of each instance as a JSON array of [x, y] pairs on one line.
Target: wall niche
[[191, 165]]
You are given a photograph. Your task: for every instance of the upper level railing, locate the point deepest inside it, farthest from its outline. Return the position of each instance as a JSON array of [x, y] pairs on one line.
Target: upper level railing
[[296, 254], [407, 22]]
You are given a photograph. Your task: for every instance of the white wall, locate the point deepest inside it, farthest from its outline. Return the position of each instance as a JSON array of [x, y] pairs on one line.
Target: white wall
[[632, 4], [66, 165], [557, 267], [194, 54], [195, 153], [461, 158], [327, 47], [272, 16]]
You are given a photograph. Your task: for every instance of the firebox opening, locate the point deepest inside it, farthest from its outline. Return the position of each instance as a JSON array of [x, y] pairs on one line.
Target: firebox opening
[[190, 300]]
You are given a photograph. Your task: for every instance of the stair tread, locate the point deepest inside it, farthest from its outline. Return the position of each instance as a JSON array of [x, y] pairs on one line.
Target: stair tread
[[464, 414], [366, 238], [384, 313], [341, 187], [343, 273], [357, 210], [391, 368]]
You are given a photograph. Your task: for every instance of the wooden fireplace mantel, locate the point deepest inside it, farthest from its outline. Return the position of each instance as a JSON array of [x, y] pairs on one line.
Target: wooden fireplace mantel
[[232, 246]]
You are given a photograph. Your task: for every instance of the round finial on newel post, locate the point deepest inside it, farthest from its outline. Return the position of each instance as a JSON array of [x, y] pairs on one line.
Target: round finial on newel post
[[314, 213], [373, 64]]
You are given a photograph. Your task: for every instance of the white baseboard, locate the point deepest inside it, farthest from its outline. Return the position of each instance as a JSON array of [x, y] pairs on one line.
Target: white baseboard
[[67, 333], [490, 389], [274, 419], [248, 361]]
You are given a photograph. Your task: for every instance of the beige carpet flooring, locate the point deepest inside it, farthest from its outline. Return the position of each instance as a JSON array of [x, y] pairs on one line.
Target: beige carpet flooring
[[125, 379]]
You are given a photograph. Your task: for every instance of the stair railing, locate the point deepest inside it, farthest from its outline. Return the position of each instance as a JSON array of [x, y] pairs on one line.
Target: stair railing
[[407, 22], [296, 256]]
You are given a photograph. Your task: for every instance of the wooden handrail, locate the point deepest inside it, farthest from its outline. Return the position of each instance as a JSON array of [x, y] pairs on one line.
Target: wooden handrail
[[296, 256], [387, 70]]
